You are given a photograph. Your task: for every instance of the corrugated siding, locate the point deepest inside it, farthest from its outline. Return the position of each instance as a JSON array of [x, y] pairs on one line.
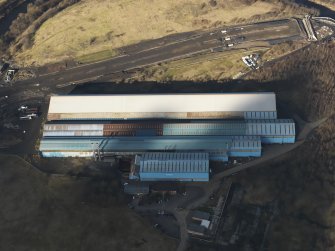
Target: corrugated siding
[[201, 177], [163, 143], [174, 166], [174, 156], [72, 133], [223, 128], [73, 127], [260, 115], [251, 142], [279, 127], [218, 156]]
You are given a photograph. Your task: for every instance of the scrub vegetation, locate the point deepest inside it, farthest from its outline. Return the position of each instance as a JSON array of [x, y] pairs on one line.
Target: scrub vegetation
[[327, 3], [21, 30], [41, 212], [302, 181], [303, 185], [309, 77]]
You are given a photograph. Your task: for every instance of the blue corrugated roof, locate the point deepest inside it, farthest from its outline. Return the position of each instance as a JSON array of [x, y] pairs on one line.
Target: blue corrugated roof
[[165, 143]]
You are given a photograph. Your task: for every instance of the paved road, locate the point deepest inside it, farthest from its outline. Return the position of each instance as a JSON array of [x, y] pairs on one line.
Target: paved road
[[170, 48]]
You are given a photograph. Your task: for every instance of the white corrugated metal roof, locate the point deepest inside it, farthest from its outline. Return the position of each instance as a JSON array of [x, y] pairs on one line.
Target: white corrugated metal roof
[[231, 102]]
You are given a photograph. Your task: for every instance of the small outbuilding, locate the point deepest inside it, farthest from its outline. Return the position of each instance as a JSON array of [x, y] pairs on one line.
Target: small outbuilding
[[200, 215], [136, 189], [196, 229]]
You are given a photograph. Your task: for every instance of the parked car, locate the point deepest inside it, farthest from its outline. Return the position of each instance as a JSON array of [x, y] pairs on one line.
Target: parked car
[[22, 108], [9, 75]]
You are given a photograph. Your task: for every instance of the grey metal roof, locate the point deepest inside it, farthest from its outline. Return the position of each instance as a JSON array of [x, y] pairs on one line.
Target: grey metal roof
[[196, 228], [138, 188], [200, 215]]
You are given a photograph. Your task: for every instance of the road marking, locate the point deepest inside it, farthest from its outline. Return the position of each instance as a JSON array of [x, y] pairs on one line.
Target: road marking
[[78, 81]]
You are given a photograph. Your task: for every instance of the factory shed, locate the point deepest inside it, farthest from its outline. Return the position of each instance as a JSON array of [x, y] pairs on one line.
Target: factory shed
[[270, 130], [196, 229], [245, 146], [87, 146], [162, 106], [174, 167], [200, 215], [136, 188]]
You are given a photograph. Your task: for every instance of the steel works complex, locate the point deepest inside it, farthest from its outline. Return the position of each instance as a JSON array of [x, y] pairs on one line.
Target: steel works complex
[[173, 136]]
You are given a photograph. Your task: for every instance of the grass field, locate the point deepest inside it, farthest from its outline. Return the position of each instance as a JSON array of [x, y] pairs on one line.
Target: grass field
[[62, 213], [93, 26], [214, 66]]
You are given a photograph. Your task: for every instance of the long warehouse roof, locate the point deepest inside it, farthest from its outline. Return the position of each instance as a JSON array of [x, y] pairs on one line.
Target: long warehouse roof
[[123, 103], [120, 144], [277, 127]]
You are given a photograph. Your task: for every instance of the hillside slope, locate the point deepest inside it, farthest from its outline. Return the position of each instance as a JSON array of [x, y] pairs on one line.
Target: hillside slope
[[100, 27], [303, 180], [304, 81], [39, 212]]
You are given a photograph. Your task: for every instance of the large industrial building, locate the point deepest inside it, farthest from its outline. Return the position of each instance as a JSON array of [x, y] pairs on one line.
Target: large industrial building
[[163, 106], [174, 135]]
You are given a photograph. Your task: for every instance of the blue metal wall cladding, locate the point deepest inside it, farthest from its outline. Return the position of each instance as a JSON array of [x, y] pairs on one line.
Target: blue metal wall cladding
[[260, 115], [167, 156], [245, 153], [251, 147], [67, 154], [278, 140], [174, 177], [218, 156]]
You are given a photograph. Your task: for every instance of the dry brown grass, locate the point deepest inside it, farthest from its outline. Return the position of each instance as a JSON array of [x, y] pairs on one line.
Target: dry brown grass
[[92, 26], [214, 66], [279, 50]]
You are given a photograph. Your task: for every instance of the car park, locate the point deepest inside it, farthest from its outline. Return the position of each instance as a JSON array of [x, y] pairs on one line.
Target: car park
[[27, 113]]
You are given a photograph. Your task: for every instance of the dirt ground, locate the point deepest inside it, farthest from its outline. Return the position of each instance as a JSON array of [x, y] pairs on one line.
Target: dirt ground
[[41, 212], [91, 27]]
